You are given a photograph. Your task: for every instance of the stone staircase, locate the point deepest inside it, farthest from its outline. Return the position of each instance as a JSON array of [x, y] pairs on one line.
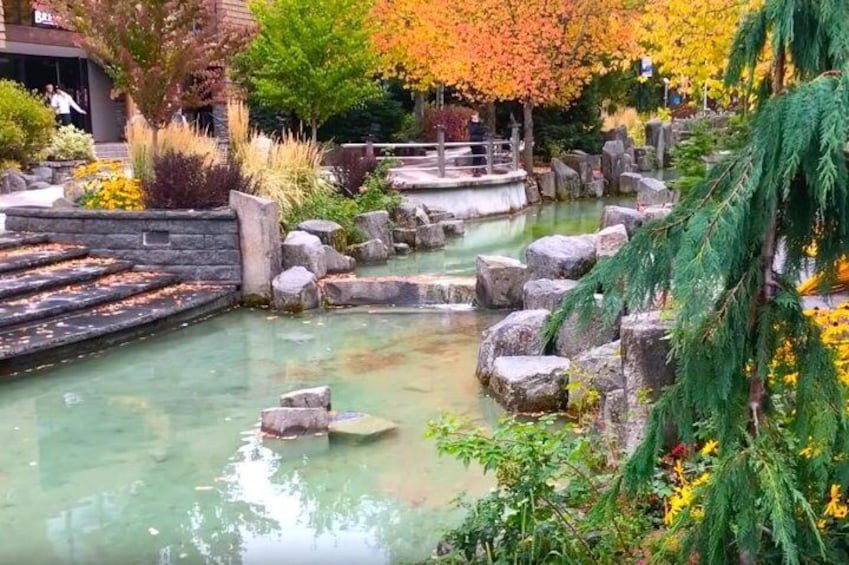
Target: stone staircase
[[57, 301]]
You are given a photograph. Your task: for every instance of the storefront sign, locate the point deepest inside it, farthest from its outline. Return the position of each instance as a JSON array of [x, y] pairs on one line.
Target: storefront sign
[[44, 18]]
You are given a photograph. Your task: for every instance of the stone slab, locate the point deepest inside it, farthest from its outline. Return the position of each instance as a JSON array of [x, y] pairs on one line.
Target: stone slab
[[355, 427]]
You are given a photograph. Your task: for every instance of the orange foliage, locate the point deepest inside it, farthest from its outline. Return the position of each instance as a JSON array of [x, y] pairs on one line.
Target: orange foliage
[[538, 51]]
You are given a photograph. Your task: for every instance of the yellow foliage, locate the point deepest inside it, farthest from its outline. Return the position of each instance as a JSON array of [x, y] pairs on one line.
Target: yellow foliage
[[631, 119], [689, 40], [179, 138]]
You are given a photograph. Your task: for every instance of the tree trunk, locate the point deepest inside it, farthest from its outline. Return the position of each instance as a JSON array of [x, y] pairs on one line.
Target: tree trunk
[[154, 141], [314, 130], [419, 106], [490, 117], [528, 153], [757, 390]]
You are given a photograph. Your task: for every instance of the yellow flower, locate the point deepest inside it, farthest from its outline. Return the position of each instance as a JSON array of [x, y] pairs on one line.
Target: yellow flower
[[835, 507], [701, 480], [709, 447]]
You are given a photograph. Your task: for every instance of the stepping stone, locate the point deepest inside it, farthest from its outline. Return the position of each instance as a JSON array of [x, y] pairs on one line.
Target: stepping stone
[[29, 256], [356, 427], [12, 239], [60, 274]]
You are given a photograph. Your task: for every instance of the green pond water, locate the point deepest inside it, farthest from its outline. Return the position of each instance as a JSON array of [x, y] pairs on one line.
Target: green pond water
[[507, 236], [150, 453]]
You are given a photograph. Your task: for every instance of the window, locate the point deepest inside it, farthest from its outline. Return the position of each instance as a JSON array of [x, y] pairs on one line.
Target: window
[[18, 12]]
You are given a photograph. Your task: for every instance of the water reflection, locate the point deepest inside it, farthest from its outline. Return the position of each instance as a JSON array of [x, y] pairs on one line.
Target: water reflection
[[149, 454]]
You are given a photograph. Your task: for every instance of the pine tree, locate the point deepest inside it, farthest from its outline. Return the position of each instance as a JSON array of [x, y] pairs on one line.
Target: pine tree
[[782, 445]]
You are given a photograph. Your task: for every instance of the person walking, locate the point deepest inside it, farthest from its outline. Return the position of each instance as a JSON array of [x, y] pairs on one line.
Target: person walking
[[62, 103], [477, 134]]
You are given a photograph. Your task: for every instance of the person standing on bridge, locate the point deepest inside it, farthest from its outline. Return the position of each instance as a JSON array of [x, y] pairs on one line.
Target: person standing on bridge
[[477, 135]]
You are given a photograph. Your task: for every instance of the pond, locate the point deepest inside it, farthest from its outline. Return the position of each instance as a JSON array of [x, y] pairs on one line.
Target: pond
[[507, 236], [150, 453]]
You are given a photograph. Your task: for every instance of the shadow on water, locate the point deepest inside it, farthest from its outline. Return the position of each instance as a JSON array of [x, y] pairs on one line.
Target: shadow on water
[[149, 453]]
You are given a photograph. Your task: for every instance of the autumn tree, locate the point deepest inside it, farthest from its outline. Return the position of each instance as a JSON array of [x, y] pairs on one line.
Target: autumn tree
[[311, 56], [753, 369], [690, 40], [159, 52]]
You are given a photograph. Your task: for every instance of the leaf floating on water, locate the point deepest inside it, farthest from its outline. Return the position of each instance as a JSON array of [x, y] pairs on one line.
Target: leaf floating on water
[[203, 488], [269, 318], [153, 531]]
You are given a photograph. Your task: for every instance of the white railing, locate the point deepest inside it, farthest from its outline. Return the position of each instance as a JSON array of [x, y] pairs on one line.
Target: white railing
[[497, 154]]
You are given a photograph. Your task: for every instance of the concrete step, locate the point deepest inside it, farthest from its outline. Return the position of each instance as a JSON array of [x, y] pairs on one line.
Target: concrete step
[[9, 240], [70, 335], [36, 255], [71, 298], [59, 274]]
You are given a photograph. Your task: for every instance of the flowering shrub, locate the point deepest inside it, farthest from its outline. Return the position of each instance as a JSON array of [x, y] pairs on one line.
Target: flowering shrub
[[104, 186], [70, 144]]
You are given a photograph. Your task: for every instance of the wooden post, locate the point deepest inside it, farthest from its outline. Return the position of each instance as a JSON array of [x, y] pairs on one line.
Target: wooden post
[[514, 145], [490, 153], [369, 147], [440, 149]]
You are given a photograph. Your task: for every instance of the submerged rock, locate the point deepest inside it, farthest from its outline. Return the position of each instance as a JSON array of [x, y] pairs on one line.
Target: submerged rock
[[517, 334], [499, 281], [398, 291], [284, 422], [561, 257], [302, 249], [295, 290], [355, 427], [530, 383]]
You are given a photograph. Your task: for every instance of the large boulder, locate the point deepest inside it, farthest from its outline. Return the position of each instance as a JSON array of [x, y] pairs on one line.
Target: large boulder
[[567, 181], [259, 241], [529, 384], [610, 240], [575, 337], [410, 215], [546, 294], [376, 225], [44, 174], [657, 212], [613, 164], [338, 263], [579, 162], [371, 251], [12, 181], [408, 236], [629, 183], [305, 250], [546, 183], [316, 397], [499, 282], [532, 190], [437, 215], [653, 192], [614, 215], [517, 334], [598, 369], [453, 228], [430, 236], [330, 233], [647, 368], [295, 290], [561, 257], [283, 422], [595, 189], [643, 160]]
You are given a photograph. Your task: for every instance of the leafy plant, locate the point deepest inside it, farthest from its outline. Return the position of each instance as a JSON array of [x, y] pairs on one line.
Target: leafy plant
[[455, 119], [26, 123], [351, 167], [69, 144], [189, 182], [549, 477], [312, 57]]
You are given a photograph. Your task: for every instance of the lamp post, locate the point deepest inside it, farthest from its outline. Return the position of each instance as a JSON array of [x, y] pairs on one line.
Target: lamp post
[[665, 92]]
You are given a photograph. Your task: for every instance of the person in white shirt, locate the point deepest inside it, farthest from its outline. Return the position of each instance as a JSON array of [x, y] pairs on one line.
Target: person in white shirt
[[62, 102]]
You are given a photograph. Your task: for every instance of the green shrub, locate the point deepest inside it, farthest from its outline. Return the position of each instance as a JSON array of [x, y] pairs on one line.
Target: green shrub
[[26, 123], [380, 117], [70, 144]]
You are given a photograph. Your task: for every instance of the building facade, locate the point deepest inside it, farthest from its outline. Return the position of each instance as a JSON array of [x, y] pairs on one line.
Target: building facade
[[36, 52]]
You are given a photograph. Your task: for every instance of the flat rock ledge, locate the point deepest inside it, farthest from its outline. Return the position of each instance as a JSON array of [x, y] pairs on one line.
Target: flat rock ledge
[[398, 291]]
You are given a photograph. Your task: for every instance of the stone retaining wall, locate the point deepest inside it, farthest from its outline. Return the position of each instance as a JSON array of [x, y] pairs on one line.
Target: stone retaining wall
[[196, 245]]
